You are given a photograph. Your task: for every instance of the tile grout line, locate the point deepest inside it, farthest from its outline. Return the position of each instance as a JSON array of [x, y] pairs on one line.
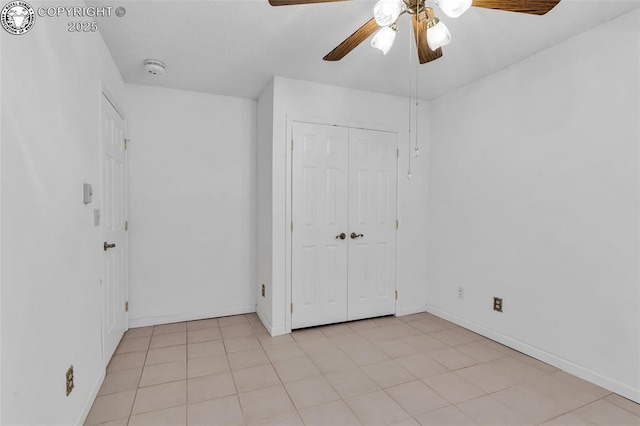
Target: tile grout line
[[281, 382], [358, 367], [619, 406], [233, 379], [186, 374], [135, 397]]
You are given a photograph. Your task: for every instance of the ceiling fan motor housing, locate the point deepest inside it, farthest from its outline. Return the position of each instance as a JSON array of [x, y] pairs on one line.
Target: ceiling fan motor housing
[[414, 6]]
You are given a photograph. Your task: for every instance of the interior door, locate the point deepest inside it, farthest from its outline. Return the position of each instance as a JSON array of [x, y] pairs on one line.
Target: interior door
[[319, 213], [372, 223], [113, 216]]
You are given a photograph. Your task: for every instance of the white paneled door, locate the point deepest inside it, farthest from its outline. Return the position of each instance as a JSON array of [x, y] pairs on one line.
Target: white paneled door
[[372, 223], [319, 238], [113, 217], [344, 217]]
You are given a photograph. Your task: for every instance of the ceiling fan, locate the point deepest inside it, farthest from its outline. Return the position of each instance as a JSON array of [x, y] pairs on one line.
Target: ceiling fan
[[430, 33]]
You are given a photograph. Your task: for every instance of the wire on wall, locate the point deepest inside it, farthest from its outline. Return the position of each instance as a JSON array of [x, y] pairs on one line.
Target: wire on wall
[[414, 103], [416, 150], [409, 173]]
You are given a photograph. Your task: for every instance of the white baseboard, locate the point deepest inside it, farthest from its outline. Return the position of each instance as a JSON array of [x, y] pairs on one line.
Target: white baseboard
[[92, 397], [277, 331], [263, 318], [549, 358], [190, 316], [409, 310]]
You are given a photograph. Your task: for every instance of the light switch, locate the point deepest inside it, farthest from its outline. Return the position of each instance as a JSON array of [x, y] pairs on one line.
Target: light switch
[[87, 193]]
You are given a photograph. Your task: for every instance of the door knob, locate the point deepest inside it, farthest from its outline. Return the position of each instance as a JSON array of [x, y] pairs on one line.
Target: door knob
[[107, 246], [354, 235], [341, 236]]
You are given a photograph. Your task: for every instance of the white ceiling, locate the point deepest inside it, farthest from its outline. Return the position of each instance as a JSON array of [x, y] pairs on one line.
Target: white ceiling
[[234, 47]]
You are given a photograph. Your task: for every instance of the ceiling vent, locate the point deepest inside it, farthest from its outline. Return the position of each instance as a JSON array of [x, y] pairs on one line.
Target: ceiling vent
[[154, 67]]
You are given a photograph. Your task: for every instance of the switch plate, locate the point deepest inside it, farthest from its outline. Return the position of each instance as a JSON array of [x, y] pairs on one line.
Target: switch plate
[[87, 193], [460, 292]]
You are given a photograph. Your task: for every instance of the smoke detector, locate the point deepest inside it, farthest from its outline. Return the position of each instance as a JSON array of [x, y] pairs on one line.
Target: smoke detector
[[154, 67]]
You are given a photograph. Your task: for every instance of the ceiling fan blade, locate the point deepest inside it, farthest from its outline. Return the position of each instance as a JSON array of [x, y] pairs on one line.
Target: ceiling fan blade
[[425, 54], [534, 7], [294, 2], [352, 41]]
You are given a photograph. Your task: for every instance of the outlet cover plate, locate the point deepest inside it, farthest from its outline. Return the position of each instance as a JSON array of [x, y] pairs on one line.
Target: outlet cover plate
[[497, 304], [69, 378]]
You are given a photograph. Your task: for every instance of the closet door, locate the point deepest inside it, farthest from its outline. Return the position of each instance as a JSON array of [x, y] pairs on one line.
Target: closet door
[[320, 202], [372, 223]]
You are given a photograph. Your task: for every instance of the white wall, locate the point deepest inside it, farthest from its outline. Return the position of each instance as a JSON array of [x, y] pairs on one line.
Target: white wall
[[265, 202], [192, 209], [534, 197], [51, 295], [294, 99]]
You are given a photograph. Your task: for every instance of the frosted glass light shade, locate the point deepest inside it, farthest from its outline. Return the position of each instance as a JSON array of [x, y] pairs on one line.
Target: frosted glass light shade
[[384, 39], [386, 12], [438, 36], [454, 8]]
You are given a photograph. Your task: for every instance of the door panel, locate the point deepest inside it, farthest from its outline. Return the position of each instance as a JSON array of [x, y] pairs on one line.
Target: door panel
[[114, 207], [319, 259], [372, 201]]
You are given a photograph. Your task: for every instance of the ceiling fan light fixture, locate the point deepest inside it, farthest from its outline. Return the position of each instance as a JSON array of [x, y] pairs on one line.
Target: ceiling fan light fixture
[[384, 38], [438, 34], [454, 8], [386, 12]]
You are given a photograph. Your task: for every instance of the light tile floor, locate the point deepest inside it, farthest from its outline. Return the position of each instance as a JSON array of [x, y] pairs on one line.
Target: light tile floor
[[411, 370]]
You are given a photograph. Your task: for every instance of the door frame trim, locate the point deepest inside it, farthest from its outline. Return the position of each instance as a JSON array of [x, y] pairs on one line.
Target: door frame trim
[[291, 119]]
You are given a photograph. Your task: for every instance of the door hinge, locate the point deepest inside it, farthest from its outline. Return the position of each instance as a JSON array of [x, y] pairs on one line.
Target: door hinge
[[397, 223], [396, 294], [292, 308], [126, 143], [291, 144], [398, 152], [126, 306], [291, 226], [126, 225]]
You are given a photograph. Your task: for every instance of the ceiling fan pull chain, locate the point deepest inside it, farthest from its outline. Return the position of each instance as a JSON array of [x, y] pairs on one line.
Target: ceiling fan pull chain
[[409, 173], [416, 150]]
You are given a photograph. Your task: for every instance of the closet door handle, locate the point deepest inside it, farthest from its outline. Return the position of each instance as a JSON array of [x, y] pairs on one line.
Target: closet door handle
[[107, 246], [354, 235], [341, 236]]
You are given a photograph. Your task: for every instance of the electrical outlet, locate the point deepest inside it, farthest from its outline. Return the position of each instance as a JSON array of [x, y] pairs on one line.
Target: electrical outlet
[[263, 290], [497, 304], [69, 380], [460, 292]]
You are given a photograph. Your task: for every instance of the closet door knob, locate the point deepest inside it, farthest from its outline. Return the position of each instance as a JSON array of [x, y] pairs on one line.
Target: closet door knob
[[341, 236], [354, 235], [107, 246]]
